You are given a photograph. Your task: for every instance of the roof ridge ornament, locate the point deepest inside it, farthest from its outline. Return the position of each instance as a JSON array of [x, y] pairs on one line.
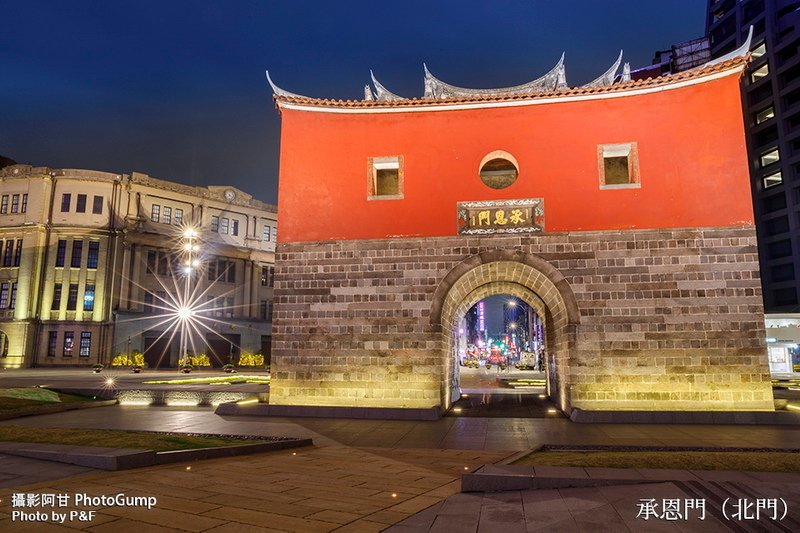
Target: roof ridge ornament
[[555, 79], [368, 96], [381, 92], [626, 73], [739, 52], [280, 92], [607, 77]]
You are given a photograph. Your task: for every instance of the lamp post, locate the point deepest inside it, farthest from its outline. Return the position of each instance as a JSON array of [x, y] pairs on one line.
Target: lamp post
[[190, 263]]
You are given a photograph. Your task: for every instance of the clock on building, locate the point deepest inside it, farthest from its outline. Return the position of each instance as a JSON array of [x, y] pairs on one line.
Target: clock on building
[[230, 195]]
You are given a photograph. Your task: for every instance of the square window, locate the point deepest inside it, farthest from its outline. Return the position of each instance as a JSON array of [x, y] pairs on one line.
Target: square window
[[72, 297], [267, 276], [69, 343], [759, 50], [88, 298], [8, 256], [765, 115], [80, 204], [773, 156], [18, 253], [97, 205], [385, 178], [52, 343], [618, 166], [56, 305], [4, 204], [214, 223], [86, 344], [223, 226], [77, 252], [61, 252], [94, 254], [66, 200], [24, 203], [4, 295], [178, 217], [155, 213], [773, 180], [166, 217], [235, 228], [761, 72], [12, 303], [15, 203]]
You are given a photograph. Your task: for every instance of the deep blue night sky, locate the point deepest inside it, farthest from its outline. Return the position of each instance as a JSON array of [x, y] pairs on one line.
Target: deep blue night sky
[[177, 89]]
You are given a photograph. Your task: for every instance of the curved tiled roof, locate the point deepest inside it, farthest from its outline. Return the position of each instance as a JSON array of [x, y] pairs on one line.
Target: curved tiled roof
[[633, 85]]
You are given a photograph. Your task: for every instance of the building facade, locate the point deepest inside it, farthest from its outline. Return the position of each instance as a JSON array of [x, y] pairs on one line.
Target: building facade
[[620, 212], [771, 100], [94, 270]]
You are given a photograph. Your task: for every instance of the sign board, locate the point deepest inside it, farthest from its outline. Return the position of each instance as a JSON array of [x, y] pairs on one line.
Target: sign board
[[501, 216]]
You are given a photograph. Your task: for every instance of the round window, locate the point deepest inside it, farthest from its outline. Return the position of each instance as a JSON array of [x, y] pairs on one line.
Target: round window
[[498, 171]]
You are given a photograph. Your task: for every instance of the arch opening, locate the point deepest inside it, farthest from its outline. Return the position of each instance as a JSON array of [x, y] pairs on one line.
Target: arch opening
[[501, 364], [525, 277]]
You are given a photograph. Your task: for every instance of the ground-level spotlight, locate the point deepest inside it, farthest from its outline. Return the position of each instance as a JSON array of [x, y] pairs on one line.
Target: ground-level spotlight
[[551, 411], [110, 382], [394, 495], [185, 312], [456, 409], [247, 402], [542, 396]]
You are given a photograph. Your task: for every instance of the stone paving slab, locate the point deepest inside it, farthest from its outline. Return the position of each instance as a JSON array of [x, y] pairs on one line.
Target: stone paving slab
[[125, 458], [613, 509], [329, 489], [54, 408], [488, 478]]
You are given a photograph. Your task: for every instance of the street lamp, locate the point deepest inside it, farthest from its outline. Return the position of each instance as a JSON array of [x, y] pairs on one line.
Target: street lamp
[[185, 313]]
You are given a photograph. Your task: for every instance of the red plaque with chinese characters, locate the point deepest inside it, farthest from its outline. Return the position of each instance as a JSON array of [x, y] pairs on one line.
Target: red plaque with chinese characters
[[501, 216]]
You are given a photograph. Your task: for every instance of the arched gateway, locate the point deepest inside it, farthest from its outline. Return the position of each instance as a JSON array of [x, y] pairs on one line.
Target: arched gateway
[[526, 276], [633, 244]]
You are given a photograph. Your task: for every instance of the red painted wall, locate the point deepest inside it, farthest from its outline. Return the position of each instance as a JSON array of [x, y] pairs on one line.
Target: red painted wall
[[692, 160]]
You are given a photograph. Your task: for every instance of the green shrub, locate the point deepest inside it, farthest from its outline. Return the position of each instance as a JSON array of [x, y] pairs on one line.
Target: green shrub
[[251, 359], [199, 359], [135, 358]]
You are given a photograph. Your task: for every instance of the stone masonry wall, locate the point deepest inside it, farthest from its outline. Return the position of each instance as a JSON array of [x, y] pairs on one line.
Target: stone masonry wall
[[668, 319]]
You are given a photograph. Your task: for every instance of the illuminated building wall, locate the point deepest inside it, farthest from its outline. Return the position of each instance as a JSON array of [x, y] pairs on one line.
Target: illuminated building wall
[[74, 272], [625, 222]]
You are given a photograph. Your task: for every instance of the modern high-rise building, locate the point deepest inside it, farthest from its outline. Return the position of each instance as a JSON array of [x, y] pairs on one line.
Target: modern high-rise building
[[771, 101], [91, 266]]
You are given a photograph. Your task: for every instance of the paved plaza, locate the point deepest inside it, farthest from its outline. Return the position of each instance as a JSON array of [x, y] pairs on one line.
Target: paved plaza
[[370, 475]]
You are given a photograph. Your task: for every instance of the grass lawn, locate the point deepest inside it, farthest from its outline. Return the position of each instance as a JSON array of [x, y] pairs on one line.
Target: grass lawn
[[235, 379], [114, 439], [32, 397], [748, 461]]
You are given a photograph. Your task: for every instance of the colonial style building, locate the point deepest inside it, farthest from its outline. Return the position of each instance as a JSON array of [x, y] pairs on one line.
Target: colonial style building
[[91, 268], [620, 211]]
